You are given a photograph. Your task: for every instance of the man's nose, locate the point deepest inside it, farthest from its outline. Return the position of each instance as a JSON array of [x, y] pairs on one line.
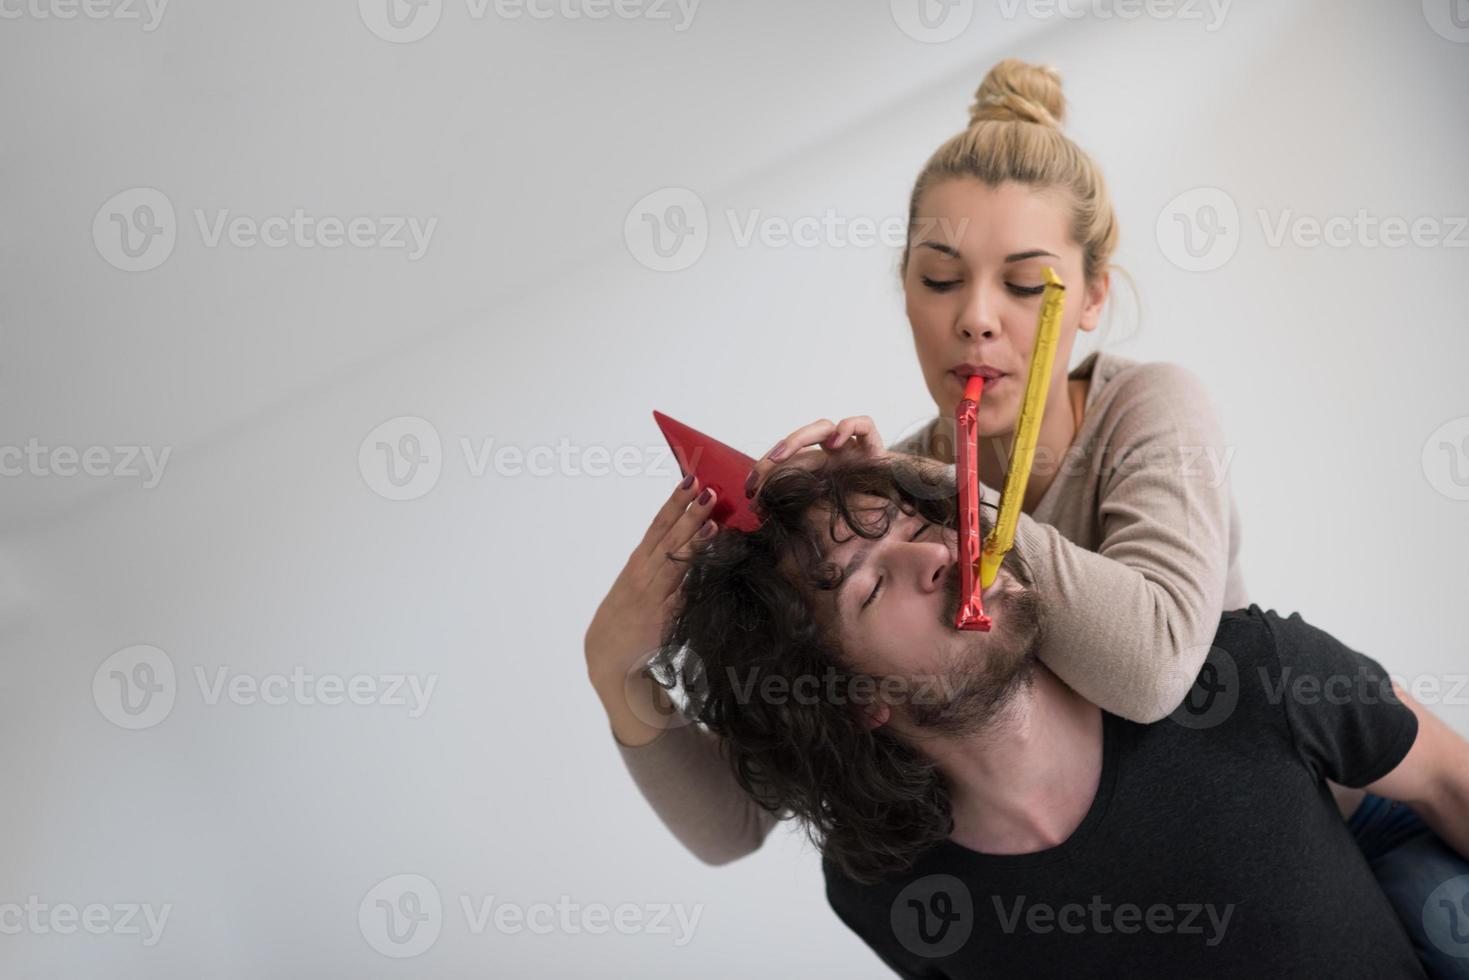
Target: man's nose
[[933, 563]]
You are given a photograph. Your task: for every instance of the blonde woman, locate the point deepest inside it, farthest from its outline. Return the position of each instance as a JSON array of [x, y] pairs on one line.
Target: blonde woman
[[1124, 514]]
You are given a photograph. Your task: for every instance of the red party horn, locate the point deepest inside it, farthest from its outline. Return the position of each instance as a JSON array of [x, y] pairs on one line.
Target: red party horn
[[971, 614]]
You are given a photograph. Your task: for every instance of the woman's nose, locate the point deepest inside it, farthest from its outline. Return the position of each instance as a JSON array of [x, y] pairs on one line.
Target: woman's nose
[[979, 317]]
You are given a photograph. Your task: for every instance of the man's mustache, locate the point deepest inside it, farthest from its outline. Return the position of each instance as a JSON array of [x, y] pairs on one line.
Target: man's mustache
[[950, 612]]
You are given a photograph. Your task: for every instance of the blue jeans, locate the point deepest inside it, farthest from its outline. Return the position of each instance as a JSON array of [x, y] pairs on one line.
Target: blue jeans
[[1426, 881]]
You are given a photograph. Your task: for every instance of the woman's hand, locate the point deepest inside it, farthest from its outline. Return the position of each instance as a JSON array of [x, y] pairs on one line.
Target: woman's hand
[[629, 624], [816, 443]]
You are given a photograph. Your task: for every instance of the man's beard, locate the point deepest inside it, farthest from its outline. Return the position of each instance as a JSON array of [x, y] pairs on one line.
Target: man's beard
[[975, 690]]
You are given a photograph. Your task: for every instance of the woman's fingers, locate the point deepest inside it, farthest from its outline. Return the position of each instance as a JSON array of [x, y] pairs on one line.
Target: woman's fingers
[[812, 434], [855, 434], [673, 508], [664, 573]]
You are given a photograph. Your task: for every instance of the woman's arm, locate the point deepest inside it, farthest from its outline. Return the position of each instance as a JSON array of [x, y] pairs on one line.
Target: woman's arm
[[1130, 625], [678, 768], [687, 780], [681, 769]]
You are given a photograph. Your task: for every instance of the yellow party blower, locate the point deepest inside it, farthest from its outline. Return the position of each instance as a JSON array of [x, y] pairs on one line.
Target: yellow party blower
[[1022, 455]]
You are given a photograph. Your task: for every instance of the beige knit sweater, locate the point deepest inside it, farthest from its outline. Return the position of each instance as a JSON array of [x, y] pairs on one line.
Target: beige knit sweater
[[1134, 546]]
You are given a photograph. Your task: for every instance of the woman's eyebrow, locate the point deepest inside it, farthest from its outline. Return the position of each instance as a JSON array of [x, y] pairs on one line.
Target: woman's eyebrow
[[948, 250], [952, 252], [1034, 253]]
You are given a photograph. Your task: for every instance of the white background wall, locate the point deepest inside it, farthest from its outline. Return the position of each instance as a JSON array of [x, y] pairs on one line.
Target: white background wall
[[265, 548]]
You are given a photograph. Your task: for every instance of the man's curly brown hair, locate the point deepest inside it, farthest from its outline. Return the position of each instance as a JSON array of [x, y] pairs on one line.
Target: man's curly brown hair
[[870, 802]]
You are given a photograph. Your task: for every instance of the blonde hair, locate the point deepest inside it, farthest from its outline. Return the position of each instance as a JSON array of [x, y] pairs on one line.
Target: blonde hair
[[1015, 135]]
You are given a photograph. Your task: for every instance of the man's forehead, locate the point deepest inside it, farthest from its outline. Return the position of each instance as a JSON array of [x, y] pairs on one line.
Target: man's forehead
[[838, 537]]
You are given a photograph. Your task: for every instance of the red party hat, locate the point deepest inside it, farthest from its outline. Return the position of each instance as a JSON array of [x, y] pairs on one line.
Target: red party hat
[[716, 465]]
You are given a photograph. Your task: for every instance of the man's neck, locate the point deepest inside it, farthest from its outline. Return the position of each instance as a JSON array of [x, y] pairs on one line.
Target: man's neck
[[1027, 783]]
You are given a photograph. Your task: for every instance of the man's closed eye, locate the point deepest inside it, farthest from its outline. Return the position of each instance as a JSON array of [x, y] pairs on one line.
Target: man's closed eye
[[878, 586]]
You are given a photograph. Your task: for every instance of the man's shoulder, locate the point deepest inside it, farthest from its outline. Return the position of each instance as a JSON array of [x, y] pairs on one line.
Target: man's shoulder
[[1256, 658], [1248, 634], [1246, 625], [1264, 636], [1239, 677]]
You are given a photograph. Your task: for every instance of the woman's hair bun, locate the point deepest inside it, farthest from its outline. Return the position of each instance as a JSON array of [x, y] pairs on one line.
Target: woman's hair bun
[[1016, 90]]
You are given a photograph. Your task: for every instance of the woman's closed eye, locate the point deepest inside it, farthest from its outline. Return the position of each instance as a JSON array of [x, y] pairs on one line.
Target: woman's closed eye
[[945, 285], [878, 586]]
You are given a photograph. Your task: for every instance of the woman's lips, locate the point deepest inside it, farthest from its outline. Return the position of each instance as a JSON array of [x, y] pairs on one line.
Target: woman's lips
[[989, 382]]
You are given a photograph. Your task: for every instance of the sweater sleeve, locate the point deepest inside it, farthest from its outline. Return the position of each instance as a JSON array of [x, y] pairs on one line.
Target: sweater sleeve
[[688, 782], [1130, 625]]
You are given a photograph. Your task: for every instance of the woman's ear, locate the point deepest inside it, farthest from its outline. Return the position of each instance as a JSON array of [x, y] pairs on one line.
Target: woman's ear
[[1096, 298]]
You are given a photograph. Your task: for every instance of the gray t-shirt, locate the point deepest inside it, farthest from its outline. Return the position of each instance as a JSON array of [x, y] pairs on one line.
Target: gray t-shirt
[[1138, 532]]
